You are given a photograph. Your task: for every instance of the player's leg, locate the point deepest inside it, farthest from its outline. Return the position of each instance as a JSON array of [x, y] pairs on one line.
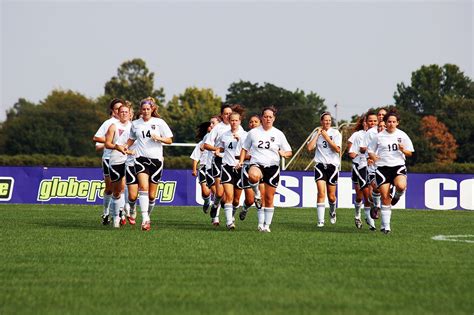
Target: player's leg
[[386, 211]]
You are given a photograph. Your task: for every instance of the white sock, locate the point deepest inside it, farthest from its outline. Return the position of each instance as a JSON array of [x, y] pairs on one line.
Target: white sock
[[115, 208], [357, 210], [376, 199], [368, 217], [320, 208], [107, 200], [386, 215], [143, 197], [268, 213], [256, 190], [122, 202], [228, 213], [261, 217], [151, 206]]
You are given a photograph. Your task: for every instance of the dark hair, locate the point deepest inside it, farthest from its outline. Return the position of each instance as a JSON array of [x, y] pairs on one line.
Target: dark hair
[[113, 102], [270, 108], [324, 114], [391, 113], [370, 113], [224, 106], [256, 115], [237, 108], [360, 123], [201, 130], [382, 108]]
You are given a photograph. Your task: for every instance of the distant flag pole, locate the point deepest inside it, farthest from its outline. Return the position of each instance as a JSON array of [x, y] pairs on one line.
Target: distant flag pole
[[335, 115]]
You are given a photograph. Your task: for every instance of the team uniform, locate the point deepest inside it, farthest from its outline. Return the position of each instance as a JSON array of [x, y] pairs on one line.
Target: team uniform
[[149, 153], [359, 163], [263, 146], [369, 136], [106, 154], [232, 149], [201, 156], [391, 161], [326, 160], [118, 159]]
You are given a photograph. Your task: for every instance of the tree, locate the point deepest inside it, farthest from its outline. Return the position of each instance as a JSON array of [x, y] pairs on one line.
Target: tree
[[185, 111], [431, 87], [133, 82], [440, 139], [298, 112], [64, 123]]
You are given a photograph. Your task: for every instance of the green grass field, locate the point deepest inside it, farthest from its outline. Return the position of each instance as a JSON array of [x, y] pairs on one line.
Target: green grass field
[[58, 259]]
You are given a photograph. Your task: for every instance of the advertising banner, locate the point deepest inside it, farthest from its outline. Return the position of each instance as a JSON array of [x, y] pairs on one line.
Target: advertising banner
[[179, 188]]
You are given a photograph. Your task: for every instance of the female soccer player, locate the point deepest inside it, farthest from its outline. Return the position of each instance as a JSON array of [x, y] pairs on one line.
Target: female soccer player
[[265, 144], [149, 133], [389, 150], [327, 142], [200, 156], [231, 144], [116, 136], [99, 139], [359, 170], [254, 122], [131, 180]]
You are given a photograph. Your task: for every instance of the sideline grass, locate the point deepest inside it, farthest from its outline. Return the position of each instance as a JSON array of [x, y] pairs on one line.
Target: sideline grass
[[58, 259]]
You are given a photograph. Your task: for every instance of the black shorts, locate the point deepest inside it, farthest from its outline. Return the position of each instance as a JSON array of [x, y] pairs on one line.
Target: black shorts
[[216, 167], [130, 175], [209, 179], [271, 174], [202, 174], [244, 175], [387, 174], [117, 172], [371, 178], [105, 167], [326, 172], [230, 176], [152, 167], [359, 176]]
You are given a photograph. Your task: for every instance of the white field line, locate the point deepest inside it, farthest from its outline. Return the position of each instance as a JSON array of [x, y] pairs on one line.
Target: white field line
[[454, 238]]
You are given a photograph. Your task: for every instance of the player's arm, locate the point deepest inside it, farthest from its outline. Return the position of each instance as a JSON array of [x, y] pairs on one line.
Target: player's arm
[[331, 143], [195, 163], [312, 143]]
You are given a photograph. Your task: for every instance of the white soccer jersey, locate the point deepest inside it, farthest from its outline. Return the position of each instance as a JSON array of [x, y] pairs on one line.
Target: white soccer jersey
[[324, 153], [263, 145], [369, 136], [357, 138], [209, 155], [143, 130], [131, 157], [198, 154], [231, 146], [121, 135], [385, 145], [101, 133], [217, 132]]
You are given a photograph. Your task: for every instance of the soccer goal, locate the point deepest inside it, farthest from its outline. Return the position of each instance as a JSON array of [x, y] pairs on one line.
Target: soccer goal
[[302, 160]]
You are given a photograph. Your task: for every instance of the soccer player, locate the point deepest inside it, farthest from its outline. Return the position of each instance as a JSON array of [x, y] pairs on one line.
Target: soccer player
[[265, 144], [99, 139], [131, 180], [115, 138], [149, 133], [200, 156], [359, 170], [231, 144], [327, 145], [254, 122], [389, 150]]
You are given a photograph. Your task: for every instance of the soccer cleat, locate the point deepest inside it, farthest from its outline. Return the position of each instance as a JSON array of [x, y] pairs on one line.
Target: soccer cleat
[[213, 211], [258, 203], [231, 227], [358, 223], [266, 229], [123, 221], [320, 224], [205, 208], [374, 212], [260, 228], [131, 220], [384, 231], [105, 219], [332, 216], [371, 227], [146, 226], [243, 214], [395, 199]]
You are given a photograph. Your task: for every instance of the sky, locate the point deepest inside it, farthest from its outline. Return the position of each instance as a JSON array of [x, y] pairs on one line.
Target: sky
[[351, 53]]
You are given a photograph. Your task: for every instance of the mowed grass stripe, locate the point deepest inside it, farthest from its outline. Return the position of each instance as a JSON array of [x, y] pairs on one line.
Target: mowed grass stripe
[[59, 259]]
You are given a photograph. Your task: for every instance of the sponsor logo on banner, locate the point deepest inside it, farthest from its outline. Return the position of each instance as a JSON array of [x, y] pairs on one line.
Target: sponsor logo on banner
[[90, 190], [6, 188]]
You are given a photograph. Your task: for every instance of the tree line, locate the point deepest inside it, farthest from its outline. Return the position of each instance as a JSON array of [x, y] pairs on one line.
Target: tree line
[[436, 110]]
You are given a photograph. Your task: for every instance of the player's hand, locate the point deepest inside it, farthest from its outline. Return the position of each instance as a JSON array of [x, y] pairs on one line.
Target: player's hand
[[401, 147], [121, 149], [194, 173], [239, 165], [156, 137], [236, 136]]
